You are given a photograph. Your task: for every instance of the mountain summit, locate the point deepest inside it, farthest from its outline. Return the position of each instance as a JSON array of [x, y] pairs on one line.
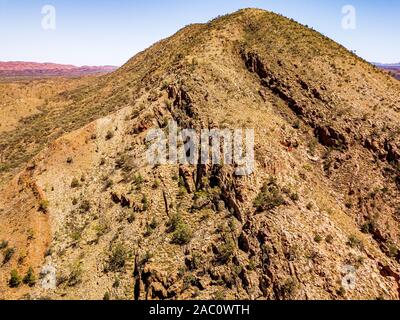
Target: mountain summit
[[84, 216]]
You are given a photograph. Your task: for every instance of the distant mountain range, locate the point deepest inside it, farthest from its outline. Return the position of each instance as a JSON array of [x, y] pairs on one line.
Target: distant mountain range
[[13, 69], [394, 68]]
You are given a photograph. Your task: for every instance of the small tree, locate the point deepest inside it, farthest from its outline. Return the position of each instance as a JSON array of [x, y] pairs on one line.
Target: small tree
[[15, 279], [30, 278], [8, 255]]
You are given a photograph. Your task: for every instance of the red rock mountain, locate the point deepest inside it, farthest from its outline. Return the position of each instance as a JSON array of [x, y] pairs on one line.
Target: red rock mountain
[[33, 69], [393, 69]]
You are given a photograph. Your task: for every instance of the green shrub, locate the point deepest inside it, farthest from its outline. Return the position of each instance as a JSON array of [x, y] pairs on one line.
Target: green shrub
[[145, 203], [85, 206], [116, 283], [312, 146], [294, 197], [118, 258], [318, 238], [270, 197], [354, 242], [154, 223], [76, 235], [148, 231], [156, 184], [131, 218], [75, 183], [146, 258], [15, 279], [109, 135], [44, 206], [225, 252], [329, 239], [8, 255], [138, 180], [289, 288], [108, 183], [102, 228], [173, 222], [368, 227], [106, 296], [3, 244], [182, 234], [29, 278], [392, 250], [341, 292], [164, 85], [75, 277]]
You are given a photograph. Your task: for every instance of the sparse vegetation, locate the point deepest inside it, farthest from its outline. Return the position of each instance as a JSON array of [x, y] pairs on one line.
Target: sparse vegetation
[[225, 252], [392, 250], [154, 224], [156, 184], [368, 227], [146, 258], [102, 228], [29, 279], [75, 183], [289, 288], [138, 180], [8, 254], [329, 239], [174, 221], [270, 197], [118, 258], [109, 135], [15, 279], [3, 244], [75, 276], [312, 146], [354, 242], [85, 206], [108, 183], [318, 238], [145, 202], [182, 234], [294, 196], [341, 292], [44, 206]]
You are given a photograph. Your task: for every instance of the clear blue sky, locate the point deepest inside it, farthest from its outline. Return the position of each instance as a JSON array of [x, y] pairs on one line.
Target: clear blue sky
[[99, 32]]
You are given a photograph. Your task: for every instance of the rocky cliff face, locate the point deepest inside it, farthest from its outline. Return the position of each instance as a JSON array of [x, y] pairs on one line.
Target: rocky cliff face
[[318, 219]]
